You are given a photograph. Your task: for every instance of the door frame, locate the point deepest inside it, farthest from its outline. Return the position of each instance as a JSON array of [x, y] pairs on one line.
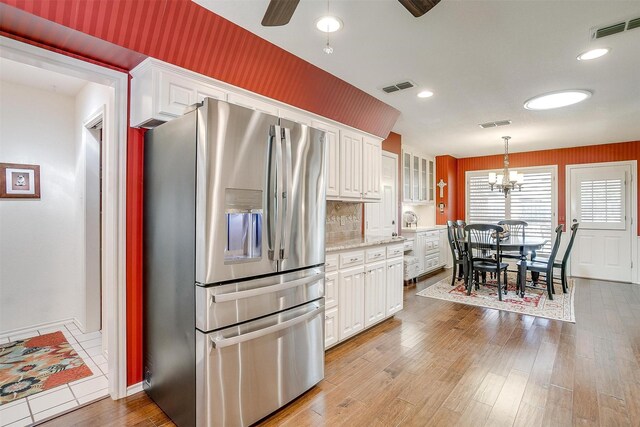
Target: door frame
[[634, 238], [115, 180]]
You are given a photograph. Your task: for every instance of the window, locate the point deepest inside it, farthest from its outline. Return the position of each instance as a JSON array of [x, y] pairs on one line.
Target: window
[[535, 203], [601, 201]]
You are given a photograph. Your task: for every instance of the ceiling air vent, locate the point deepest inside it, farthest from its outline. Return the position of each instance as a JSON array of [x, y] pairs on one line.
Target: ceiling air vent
[[609, 30], [634, 23], [494, 124], [398, 86]]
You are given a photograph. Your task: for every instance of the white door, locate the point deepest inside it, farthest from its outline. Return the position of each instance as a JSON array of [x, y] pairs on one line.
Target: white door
[[330, 327], [381, 219], [600, 200]]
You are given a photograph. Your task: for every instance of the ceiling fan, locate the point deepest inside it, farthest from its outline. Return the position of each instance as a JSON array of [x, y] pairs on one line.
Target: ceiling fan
[[279, 12]]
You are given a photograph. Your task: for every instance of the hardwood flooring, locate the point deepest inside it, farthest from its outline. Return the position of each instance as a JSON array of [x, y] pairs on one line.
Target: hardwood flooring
[[439, 363]]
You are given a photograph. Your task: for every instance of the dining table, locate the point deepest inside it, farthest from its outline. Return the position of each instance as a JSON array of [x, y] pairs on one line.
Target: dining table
[[525, 246]]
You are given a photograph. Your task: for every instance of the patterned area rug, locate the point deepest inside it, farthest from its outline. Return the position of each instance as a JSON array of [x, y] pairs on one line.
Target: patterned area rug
[[37, 364], [535, 302]]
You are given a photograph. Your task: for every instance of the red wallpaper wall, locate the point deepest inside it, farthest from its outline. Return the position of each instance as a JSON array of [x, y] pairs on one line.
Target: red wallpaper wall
[[446, 169], [121, 33], [183, 33], [561, 157]]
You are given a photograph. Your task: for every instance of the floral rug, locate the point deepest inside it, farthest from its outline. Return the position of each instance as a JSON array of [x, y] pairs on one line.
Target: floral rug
[[535, 302], [38, 364]]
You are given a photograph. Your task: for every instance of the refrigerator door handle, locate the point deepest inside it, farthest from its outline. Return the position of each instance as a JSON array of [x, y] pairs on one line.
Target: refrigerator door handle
[[279, 190], [233, 296], [271, 192], [288, 195], [220, 342]]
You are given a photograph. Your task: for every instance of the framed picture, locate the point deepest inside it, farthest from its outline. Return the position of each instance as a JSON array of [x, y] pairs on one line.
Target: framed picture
[[19, 181]]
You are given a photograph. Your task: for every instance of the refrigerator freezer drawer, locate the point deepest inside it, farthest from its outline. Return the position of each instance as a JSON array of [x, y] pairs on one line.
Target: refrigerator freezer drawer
[[245, 372], [225, 305]]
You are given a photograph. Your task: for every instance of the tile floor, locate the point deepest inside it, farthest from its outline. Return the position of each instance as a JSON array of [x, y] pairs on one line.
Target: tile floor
[[37, 407]]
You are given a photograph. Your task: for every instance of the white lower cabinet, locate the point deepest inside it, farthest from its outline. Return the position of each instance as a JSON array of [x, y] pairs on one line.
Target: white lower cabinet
[[375, 280], [330, 327], [430, 250], [365, 289], [394, 286], [350, 301]]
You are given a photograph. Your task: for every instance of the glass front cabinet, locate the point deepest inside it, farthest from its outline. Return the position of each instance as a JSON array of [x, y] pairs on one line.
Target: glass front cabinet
[[418, 175]]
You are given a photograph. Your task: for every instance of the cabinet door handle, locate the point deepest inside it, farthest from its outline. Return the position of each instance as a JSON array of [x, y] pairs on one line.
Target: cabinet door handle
[[355, 259]]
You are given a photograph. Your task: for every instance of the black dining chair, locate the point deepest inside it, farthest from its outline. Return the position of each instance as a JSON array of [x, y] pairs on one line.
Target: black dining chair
[[457, 253], [480, 246], [516, 228], [538, 266], [562, 265]]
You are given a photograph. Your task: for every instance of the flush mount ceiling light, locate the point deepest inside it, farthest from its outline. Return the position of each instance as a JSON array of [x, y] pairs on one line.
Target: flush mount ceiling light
[[593, 54], [425, 94], [562, 98], [328, 24]]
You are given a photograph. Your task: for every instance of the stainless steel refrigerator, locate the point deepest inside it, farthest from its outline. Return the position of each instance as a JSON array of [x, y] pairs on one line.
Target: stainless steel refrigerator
[[233, 297]]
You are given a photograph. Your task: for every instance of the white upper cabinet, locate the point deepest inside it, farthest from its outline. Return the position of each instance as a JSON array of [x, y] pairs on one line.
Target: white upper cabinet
[[418, 174], [371, 168], [294, 116], [332, 158], [253, 103], [350, 165]]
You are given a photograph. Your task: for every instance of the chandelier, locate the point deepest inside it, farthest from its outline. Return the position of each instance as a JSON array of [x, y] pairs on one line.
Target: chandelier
[[508, 180]]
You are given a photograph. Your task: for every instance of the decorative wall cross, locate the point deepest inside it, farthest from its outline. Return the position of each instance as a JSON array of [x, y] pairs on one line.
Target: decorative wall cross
[[441, 184]]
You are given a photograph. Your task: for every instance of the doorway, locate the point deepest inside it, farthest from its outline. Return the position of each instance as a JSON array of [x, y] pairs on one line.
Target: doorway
[[381, 219], [601, 198], [111, 243]]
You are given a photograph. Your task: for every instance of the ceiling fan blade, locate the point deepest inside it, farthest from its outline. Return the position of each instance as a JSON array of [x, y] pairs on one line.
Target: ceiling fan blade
[[418, 7], [279, 12]]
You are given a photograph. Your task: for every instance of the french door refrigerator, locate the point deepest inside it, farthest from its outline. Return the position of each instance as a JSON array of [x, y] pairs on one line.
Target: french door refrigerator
[[233, 297]]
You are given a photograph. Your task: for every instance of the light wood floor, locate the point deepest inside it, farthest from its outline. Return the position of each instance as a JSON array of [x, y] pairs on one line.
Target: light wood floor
[[440, 363]]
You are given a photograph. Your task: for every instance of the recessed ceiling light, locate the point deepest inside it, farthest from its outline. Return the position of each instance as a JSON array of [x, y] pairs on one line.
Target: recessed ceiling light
[[557, 99], [328, 24], [593, 54], [425, 94]]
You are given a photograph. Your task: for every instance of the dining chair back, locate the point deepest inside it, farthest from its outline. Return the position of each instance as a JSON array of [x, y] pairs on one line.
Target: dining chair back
[[457, 254], [461, 225], [539, 266], [567, 254], [516, 227], [482, 242]]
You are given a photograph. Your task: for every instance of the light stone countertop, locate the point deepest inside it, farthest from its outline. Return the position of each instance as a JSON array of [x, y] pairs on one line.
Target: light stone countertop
[[359, 242], [423, 228]]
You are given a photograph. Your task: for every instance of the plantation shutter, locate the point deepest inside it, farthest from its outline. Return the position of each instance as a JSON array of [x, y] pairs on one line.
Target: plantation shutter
[[602, 203], [533, 204], [485, 206]]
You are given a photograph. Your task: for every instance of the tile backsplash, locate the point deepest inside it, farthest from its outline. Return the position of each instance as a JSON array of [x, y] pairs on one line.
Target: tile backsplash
[[344, 220]]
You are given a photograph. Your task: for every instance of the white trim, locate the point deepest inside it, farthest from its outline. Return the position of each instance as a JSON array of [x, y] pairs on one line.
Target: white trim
[[635, 239], [45, 325], [135, 388], [114, 209]]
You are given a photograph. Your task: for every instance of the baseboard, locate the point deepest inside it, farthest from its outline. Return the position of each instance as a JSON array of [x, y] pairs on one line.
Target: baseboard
[[19, 331], [79, 325], [133, 389]]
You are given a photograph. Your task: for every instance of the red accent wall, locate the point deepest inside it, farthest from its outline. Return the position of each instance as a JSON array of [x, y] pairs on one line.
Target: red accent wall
[[447, 169], [121, 33], [561, 157], [185, 34]]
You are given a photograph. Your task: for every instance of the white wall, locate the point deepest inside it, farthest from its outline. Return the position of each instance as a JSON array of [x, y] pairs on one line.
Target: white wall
[[39, 254], [92, 99]]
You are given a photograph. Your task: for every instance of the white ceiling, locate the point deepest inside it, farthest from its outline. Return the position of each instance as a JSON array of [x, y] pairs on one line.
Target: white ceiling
[[482, 59], [39, 78]]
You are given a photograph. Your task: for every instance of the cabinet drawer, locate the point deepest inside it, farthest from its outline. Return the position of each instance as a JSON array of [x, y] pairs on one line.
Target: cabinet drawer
[[331, 263], [428, 245], [375, 254], [351, 259], [395, 250], [408, 245]]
